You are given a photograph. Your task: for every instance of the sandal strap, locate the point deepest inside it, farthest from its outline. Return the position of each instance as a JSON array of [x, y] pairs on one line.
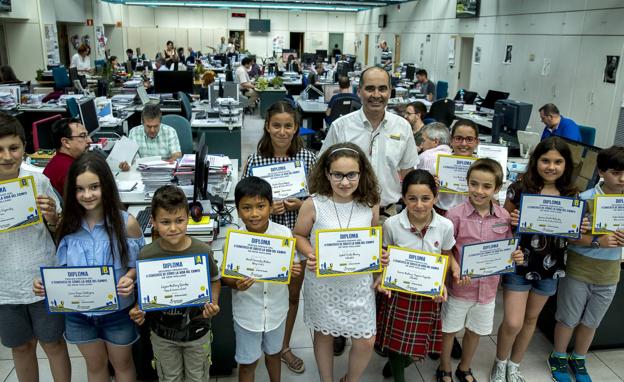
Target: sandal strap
[[286, 350], [461, 374]]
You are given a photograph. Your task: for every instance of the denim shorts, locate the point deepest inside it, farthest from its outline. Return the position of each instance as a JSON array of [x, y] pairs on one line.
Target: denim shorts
[[518, 283], [115, 328], [19, 323]]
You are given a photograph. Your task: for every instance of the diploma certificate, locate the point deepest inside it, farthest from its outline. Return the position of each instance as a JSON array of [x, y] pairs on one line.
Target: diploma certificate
[[608, 214], [173, 282], [80, 289], [287, 179], [18, 204], [341, 252], [488, 258], [415, 272], [266, 258], [452, 170], [551, 215]]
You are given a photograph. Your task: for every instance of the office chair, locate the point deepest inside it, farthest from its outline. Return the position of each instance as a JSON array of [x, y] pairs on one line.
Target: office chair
[[183, 128], [185, 104], [342, 107], [72, 107], [42, 132], [441, 90], [61, 78], [442, 110], [588, 134]]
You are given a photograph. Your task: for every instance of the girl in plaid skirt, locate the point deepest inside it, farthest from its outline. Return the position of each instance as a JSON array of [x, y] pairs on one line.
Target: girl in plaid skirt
[[408, 325]]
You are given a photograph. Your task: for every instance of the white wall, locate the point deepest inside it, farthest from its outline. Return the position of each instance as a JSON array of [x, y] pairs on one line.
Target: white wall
[[575, 35]]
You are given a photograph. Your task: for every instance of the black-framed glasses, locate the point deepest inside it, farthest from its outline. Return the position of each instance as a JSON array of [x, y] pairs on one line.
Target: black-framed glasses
[[338, 176], [81, 135]]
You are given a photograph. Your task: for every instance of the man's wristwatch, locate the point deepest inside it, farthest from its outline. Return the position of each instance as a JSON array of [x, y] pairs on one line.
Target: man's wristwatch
[[595, 243]]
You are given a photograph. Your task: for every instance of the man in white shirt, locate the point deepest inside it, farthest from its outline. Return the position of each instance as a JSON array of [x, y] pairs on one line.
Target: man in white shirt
[[436, 141], [244, 81], [385, 137]]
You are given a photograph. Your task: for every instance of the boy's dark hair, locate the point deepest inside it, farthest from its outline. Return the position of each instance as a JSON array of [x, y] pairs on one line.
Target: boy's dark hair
[[62, 129], [246, 61], [253, 186], [419, 177], [422, 72], [465, 122], [611, 159], [488, 165], [169, 198], [9, 125]]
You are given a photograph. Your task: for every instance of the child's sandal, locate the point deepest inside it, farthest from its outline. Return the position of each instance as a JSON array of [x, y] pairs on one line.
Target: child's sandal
[[461, 375], [440, 375], [294, 363]]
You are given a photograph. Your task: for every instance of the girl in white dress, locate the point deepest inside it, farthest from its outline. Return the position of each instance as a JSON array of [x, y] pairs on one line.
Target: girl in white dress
[[345, 194]]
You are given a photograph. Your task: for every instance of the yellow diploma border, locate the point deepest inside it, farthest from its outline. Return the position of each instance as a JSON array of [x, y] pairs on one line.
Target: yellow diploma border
[[318, 260], [444, 257], [595, 210], [446, 190], [31, 181], [225, 251]]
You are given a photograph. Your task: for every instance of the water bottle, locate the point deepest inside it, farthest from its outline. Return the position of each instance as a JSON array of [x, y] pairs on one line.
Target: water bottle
[[461, 95]]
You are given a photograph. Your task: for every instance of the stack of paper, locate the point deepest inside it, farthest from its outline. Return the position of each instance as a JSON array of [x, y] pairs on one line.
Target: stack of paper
[[202, 230], [185, 172], [219, 173], [7, 101], [155, 173]]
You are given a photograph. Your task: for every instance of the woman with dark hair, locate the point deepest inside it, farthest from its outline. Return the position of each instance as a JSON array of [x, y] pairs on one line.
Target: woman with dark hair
[[7, 75], [169, 54], [281, 143], [81, 59]]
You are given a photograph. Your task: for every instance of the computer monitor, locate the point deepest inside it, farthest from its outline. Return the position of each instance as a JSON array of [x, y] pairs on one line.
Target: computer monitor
[[73, 76], [315, 94], [410, 72], [104, 107], [88, 115], [342, 69], [510, 117], [330, 90], [200, 183], [286, 54], [491, 98], [308, 58], [469, 97], [230, 90], [173, 82], [322, 53]]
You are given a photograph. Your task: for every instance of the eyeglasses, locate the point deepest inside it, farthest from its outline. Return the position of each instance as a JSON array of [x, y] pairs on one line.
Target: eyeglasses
[[466, 139], [338, 176], [81, 135]]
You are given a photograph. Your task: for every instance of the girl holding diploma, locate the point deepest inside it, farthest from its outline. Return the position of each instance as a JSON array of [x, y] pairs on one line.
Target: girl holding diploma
[[408, 325], [281, 142], [526, 291], [345, 195], [95, 231]]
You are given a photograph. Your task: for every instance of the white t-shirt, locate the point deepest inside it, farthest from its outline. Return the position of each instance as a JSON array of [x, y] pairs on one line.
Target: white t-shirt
[[438, 238], [80, 63], [242, 75]]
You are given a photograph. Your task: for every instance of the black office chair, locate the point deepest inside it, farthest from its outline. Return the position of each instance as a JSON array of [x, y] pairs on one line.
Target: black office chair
[[442, 110], [342, 107]]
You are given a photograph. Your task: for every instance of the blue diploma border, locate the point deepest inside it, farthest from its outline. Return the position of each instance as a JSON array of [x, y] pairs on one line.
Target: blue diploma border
[[569, 235], [510, 269], [303, 192], [148, 306], [387, 283], [58, 308]]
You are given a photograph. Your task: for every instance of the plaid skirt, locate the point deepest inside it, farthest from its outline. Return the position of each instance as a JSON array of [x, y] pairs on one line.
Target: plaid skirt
[[409, 325]]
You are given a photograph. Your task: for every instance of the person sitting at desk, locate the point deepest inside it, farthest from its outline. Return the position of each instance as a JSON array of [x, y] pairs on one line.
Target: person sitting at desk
[[161, 65], [436, 140], [244, 81], [71, 140], [81, 60], [255, 70], [190, 59], [315, 75], [343, 93], [424, 86], [558, 125], [414, 114], [154, 138], [7, 75]]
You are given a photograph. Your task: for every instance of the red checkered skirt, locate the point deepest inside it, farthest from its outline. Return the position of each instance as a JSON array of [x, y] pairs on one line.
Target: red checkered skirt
[[409, 325]]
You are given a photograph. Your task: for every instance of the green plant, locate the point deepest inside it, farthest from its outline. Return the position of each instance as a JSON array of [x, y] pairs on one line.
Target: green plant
[[262, 83], [277, 82], [39, 76]]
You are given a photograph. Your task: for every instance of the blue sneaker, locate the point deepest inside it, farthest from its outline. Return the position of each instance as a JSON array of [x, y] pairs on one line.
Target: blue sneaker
[[578, 368], [559, 368]]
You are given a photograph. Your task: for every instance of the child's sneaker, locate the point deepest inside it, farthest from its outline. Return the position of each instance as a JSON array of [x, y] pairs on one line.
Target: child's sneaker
[[578, 368], [498, 371], [513, 373], [558, 368]]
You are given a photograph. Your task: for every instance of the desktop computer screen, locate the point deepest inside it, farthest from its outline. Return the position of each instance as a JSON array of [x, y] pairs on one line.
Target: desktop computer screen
[[491, 98], [322, 53], [173, 82], [510, 117], [88, 115], [469, 97]]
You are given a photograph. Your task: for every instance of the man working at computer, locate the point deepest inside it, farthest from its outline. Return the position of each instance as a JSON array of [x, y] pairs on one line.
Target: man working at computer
[[154, 138], [71, 140], [344, 93], [424, 86], [244, 81], [558, 125]]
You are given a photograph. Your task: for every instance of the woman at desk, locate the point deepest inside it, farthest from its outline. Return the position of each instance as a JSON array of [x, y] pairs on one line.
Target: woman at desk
[[81, 60]]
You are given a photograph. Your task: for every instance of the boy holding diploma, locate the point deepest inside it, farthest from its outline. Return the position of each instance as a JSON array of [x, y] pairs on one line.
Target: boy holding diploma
[[259, 309], [470, 303], [180, 337], [593, 272]]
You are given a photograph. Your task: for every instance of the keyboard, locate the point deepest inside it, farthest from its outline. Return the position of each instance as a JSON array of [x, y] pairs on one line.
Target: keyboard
[[145, 223]]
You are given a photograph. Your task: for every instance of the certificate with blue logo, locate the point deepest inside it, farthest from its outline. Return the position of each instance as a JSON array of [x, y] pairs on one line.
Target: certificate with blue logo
[[349, 251], [451, 170], [18, 204], [488, 258], [80, 289], [608, 214], [287, 179], [266, 258], [173, 282], [551, 215], [415, 272]]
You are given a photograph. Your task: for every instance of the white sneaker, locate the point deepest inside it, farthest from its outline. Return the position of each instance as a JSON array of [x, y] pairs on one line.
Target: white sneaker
[[513, 373], [498, 371]]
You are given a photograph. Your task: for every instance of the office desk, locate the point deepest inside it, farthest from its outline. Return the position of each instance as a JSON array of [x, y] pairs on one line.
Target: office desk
[[268, 97], [485, 121], [225, 137], [313, 112]]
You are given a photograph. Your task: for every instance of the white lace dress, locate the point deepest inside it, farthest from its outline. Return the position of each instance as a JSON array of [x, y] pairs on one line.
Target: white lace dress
[[344, 305]]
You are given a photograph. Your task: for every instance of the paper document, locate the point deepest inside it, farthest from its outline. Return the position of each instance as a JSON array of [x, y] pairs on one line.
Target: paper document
[[124, 150]]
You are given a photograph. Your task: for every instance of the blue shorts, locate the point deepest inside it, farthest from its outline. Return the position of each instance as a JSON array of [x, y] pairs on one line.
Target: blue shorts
[[518, 283], [115, 328]]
